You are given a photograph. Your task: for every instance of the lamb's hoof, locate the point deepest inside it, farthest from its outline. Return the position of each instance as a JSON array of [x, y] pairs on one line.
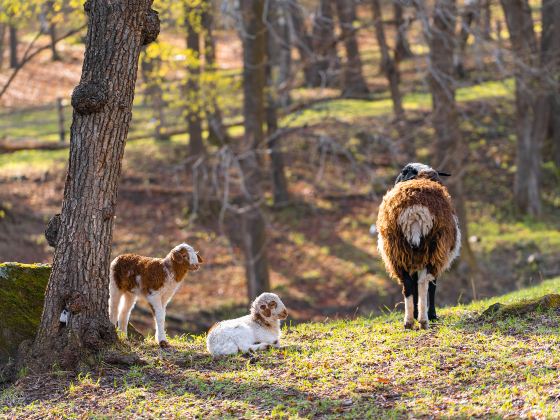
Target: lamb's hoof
[[433, 317], [408, 325], [424, 325], [164, 345]]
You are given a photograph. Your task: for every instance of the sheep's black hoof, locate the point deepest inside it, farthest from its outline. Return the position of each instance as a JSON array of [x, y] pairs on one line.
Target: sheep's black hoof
[[424, 325], [408, 325], [433, 317]]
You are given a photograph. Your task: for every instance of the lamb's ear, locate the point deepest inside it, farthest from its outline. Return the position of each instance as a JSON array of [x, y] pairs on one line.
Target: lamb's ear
[[177, 256], [443, 173], [200, 259]]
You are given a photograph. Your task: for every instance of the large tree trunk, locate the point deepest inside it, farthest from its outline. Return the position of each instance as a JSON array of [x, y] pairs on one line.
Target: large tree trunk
[[194, 121], [327, 62], [402, 48], [354, 84], [252, 223], [102, 105], [387, 63], [13, 47], [217, 133], [531, 106], [451, 152]]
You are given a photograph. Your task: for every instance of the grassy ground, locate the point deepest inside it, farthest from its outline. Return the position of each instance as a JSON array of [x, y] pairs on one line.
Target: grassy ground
[[368, 367]]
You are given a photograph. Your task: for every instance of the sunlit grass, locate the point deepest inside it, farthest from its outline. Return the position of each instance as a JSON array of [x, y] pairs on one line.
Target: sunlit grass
[[364, 368]]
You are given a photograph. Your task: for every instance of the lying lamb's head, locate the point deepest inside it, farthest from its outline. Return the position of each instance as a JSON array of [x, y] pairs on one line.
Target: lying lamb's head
[[185, 254], [419, 170], [269, 306]]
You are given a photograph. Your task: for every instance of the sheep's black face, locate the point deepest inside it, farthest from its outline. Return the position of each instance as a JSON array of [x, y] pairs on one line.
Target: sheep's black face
[[414, 170]]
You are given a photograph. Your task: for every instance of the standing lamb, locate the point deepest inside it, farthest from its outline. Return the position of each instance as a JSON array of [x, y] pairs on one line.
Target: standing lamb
[[157, 279], [418, 237], [256, 331]]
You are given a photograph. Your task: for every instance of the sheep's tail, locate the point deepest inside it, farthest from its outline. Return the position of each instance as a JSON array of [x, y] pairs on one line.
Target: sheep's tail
[[415, 222], [115, 293]]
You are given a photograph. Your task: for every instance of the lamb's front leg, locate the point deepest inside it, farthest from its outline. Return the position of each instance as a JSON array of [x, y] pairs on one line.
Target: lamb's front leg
[[158, 310], [423, 281], [408, 289]]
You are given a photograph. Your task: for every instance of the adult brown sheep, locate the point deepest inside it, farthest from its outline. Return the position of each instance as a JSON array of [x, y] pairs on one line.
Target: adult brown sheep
[[418, 237]]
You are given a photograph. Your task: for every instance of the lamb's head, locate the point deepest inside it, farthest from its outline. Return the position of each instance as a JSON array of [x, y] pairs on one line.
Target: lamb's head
[[184, 254], [419, 170], [270, 307]]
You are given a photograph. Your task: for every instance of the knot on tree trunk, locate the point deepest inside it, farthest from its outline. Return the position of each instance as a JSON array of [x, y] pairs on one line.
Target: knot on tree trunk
[[150, 31], [53, 227], [87, 6], [75, 302], [108, 212], [90, 97]]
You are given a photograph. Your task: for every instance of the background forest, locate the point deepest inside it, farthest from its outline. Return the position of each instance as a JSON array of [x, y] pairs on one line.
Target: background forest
[[266, 133]]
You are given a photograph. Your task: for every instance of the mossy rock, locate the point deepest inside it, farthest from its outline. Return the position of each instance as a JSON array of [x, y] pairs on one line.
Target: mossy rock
[[499, 310], [22, 292]]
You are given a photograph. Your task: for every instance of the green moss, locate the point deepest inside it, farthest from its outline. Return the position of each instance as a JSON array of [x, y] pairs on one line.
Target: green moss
[[22, 291]]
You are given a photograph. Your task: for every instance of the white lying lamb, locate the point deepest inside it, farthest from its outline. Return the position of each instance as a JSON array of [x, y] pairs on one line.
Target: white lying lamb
[[256, 331]]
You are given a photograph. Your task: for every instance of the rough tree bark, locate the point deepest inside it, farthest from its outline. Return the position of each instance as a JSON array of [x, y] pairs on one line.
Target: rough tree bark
[[531, 103], [194, 102], [13, 47], [217, 133], [327, 62], [402, 48], [387, 63], [251, 220], [354, 84], [451, 152], [102, 105]]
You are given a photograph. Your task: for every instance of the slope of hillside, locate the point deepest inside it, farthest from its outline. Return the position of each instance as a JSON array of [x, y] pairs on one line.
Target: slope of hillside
[[369, 367]]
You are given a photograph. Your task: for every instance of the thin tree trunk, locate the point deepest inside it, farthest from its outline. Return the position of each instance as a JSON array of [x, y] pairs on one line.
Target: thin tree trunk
[[402, 48], [194, 120], [279, 184], [302, 40], [251, 219], [550, 58], [217, 133], [282, 38], [467, 18], [13, 47], [354, 84], [102, 105], [451, 152], [387, 63], [327, 62], [153, 93], [486, 19], [531, 106], [52, 34], [2, 37]]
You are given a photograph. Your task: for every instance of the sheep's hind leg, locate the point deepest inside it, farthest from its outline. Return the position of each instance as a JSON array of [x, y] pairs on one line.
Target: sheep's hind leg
[[423, 280], [408, 291], [432, 300]]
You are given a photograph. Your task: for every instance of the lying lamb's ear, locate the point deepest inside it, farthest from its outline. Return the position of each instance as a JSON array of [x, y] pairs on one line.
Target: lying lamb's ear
[[200, 259], [443, 173], [265, 311]]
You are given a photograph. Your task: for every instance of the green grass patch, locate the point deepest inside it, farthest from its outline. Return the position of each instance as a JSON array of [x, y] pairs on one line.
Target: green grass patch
[[364, 368]]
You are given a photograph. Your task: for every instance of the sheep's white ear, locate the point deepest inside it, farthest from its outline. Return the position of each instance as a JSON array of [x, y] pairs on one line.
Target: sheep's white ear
[[177, 256], [200, 259]]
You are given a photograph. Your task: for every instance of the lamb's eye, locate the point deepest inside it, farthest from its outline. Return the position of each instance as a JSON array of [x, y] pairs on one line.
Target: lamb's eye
[[272, 304], [263, 307]]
